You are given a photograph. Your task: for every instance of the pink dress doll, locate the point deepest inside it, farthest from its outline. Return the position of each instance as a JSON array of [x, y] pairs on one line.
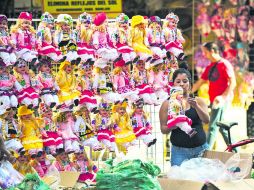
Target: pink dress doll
[[158, 80], [50, 137], [174, 38], [176, 115], [85, 79], [23, 36], [141, 84], [156, 38], [141, 126], [243, 22], [104, 125], [8, 87], [47, 84], [7, 46], [203, 20], [101, 40], [64, 38], [65, 124], [138, 38], [41, 164], [67, 82], [84, 32], [84, 129], [85, 166], [122, 81], [26, 79], [62, 162], [120, 38], [102, 84], [45, 39], [217, 23], [229, 23], [230, 53]]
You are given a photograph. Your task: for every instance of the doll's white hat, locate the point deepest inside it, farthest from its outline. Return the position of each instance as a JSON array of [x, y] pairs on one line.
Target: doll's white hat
[[156, 62], [101, 63], [64, 18]]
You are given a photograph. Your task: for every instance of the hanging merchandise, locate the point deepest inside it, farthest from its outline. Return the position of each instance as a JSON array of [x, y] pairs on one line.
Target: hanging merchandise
[[203, 20]]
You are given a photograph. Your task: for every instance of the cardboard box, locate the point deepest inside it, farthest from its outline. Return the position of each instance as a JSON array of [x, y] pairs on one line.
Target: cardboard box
[[246, 184]]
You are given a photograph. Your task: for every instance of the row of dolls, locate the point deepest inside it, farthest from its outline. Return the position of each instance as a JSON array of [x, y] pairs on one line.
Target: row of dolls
[[108, 127], [225, 24], [92, 38], [71, 87]]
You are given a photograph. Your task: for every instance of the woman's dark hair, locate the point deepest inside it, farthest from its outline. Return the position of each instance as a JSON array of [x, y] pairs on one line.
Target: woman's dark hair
[[211, 46], [182, 70]]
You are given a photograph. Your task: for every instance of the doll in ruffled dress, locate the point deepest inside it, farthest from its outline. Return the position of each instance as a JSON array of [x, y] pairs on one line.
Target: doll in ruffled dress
[[45, 39], [8, 87], [41, 164], [67, 82], [23, 36], [140, 124], [123, 81], [83, 128], [243, 23], [229, 23], [10, 131], [30, 131], [120, 38], [51, 139], [176, 115], [85, 166], [158, 80], [64, 38], [138, 38], [102, 83], [124, 134], [65, 124], [217, 23], [7, 47], [84, 32], [104, 126], [26, 94], [156, 38], [141, 84], [174, 38], [47, 84], [85, 79], [101, 39], [62, 162], [203, 20]]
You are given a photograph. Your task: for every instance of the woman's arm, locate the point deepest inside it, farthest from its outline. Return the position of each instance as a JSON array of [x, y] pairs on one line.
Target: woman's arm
[[201, 108], [163, 114]]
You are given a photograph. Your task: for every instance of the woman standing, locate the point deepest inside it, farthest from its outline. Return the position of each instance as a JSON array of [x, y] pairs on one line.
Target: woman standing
[[184, 147]]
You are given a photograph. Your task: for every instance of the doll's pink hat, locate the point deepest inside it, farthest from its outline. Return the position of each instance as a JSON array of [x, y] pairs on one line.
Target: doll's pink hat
[[99, 19], [119, 63], [25, 16]]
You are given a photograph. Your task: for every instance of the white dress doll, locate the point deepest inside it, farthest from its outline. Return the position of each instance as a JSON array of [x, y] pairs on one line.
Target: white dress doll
[[7, 47]]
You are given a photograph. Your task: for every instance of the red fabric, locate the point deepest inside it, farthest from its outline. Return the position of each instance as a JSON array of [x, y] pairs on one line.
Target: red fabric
[[220, 77]]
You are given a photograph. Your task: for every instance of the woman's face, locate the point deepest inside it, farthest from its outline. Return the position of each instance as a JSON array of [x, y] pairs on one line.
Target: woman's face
[[4, 25], [26, 24], [206, 53], [183, 81], [68, 69], [45, 68]]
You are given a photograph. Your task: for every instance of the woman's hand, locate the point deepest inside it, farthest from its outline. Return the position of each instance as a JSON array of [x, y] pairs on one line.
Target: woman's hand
[[193, 102]]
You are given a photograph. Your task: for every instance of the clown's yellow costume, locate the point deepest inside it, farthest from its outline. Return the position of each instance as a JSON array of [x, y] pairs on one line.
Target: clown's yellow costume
[[138, 38], [30, 130], [125, 133], [67, 84]]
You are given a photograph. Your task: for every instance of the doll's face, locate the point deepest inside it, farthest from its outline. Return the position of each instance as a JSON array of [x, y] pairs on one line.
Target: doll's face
[[80, 156], [68, 69], [124, 25], [22, 69], [50, 25], [139, 111], [105, 70], [63, 157], [4, 25], [68, 114], [182, 81], [174, 65], [3, 70], [121, 111], [126, 68], [41, 158], [65, 27], [22, 159], [172, 23], [48, 114], [26, 24], [104, 112], [141, 65], [26, 117], [45, 68], [88, 71], [87, 24], [179, 96]]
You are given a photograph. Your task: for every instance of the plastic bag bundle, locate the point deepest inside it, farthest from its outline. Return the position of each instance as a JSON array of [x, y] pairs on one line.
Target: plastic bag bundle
[[9, 177], [129, 174]]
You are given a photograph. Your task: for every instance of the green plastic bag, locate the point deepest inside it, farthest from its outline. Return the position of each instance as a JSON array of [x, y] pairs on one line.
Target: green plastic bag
[[129, 174]]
